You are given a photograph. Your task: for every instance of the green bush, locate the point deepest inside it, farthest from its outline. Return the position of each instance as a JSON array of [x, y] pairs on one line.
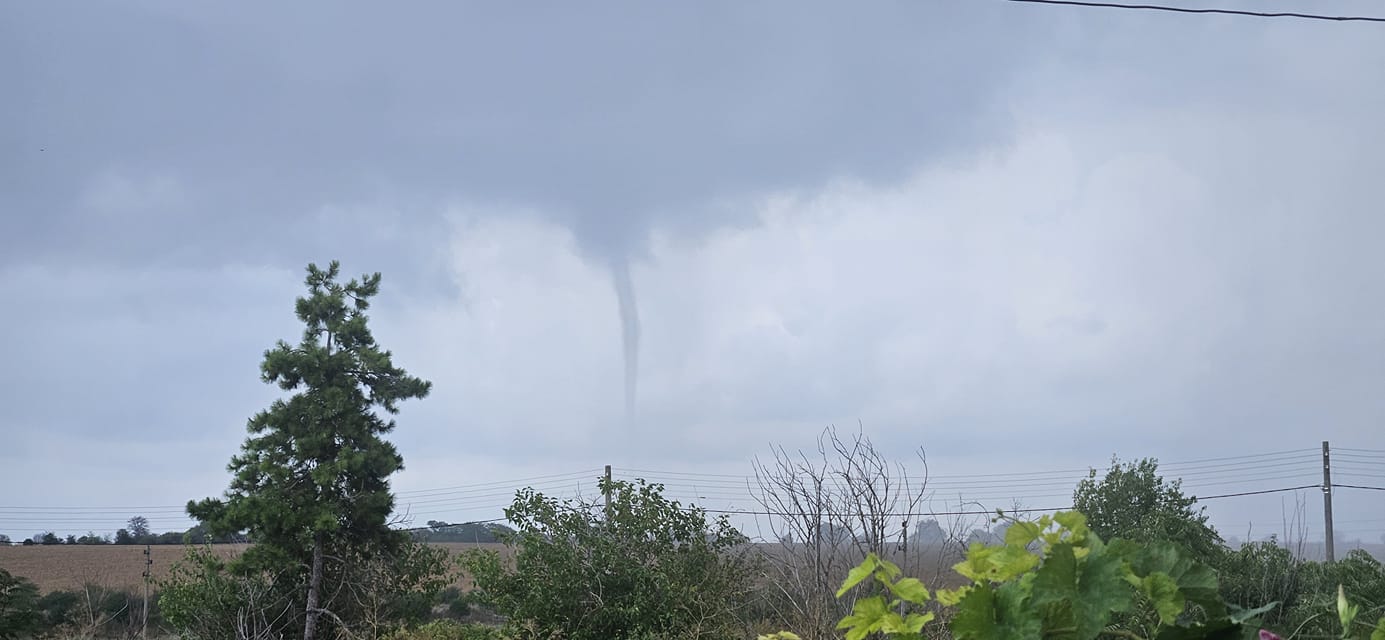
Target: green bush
[[1132, 501], [1360, 578], [375, 591], [204, 601], [449, 630], [652, 568], [1052, 578], [59, 608], [1261, 572], [458, 604]]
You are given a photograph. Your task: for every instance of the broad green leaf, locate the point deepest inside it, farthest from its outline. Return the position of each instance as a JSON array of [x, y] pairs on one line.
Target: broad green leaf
[[1083, 593], [858, 573], [996, 614], [975, 617], [1022, 533], [910, 590], [1379, 633], [1073, 521], [887, 569], [1346, 612], [996, 564], [916, 621], [866, 617], [1164, 593], [1056, 580], [1196, 581], [895, 624], [951, 597]]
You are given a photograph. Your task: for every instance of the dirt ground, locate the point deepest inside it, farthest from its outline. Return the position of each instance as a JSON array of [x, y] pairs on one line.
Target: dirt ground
[[116, 566]]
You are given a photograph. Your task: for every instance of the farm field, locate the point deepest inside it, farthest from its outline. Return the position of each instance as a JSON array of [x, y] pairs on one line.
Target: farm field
[[119, 566]]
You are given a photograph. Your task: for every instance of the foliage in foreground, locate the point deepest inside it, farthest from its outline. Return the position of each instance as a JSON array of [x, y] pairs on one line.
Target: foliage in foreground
[[1055, 578], [18, 606], [651, 569], [449, 630], [93, 611], [1307, 591], [378, 590]]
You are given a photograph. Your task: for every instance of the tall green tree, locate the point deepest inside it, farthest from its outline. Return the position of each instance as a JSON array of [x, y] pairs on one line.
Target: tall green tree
[[19, 613], [1134, 502], [138, 526], [312, 478]]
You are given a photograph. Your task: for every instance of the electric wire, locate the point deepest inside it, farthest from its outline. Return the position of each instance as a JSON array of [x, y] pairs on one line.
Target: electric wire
[[1205, 10]]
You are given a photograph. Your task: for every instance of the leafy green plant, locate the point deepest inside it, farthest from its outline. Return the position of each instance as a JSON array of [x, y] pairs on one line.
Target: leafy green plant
[[202, 600], [449, 630], [1265, 571], [1132, 501], [1050, 578], [642, 566], [1314, 613]]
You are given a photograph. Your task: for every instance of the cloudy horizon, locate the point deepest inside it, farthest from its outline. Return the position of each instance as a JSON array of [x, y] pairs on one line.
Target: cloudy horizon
[[1022, 238]]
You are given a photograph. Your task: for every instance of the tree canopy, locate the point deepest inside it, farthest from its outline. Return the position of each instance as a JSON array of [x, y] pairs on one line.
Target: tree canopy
[[313, 475], [1132, 501]]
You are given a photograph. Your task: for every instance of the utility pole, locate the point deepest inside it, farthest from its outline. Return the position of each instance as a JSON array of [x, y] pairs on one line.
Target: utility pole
[[606, 490], [148, 569], [904, 552], [1327, 498]]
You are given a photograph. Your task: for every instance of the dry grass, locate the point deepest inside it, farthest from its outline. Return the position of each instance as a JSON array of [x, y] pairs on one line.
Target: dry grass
[[55, 567]]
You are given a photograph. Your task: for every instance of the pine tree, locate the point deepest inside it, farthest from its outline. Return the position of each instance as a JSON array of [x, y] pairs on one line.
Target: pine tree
[[313, 475]]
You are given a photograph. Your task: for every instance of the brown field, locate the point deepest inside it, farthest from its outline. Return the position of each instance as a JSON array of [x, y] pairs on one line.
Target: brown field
[[119, 566]]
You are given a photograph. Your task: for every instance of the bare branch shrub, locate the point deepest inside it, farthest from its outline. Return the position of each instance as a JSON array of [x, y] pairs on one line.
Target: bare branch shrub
[[827, 510]]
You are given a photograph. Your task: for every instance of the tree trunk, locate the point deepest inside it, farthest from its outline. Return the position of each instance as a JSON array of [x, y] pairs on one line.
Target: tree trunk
[[314, 588]]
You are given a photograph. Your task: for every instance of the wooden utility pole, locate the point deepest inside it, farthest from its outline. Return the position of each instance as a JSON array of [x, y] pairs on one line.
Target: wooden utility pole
[[1327, 498], [148, 569], [606, 491]]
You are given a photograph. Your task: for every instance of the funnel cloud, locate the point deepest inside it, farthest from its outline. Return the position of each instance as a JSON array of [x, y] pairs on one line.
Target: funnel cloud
[[629, 329]]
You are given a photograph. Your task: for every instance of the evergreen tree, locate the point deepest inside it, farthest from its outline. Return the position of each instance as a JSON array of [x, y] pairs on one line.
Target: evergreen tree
[[312, 478]]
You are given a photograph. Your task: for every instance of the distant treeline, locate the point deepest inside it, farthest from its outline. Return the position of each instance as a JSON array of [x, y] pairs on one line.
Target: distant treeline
[[439, 531], [137, 532]]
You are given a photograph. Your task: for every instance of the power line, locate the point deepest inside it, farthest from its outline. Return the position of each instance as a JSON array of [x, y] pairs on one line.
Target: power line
[[1195, 479], [1231, 12], [1357, 486], [1256, 493], [1179, 469], [919, 514], [992, 511], [548, 479]]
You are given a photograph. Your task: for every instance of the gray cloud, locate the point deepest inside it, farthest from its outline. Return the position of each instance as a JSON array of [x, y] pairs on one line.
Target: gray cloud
[[972, 225], [606, 116]]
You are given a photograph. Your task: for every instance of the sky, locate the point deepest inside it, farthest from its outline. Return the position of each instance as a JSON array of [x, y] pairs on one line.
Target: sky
[[669, 238]]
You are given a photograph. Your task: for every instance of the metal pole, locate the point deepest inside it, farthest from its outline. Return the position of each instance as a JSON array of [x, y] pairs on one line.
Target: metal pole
[[148, 569], [1327, 499], [606, 490]]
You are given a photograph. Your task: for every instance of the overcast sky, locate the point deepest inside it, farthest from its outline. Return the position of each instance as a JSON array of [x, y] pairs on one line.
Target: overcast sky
[[667, 236]]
